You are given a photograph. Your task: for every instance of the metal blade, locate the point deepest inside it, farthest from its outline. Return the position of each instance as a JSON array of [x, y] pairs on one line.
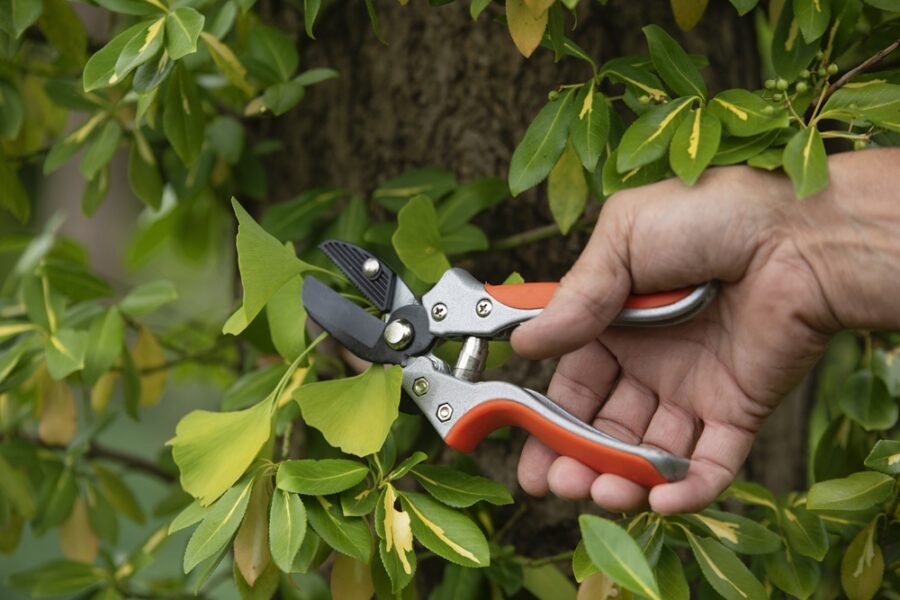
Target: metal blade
[[362, 333], [371, 276]]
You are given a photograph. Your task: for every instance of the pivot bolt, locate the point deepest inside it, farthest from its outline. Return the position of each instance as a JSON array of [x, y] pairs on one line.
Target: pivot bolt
[[420, 386], [444, 412], [439, 311], [484, 307], [398, 334], [371, 268]]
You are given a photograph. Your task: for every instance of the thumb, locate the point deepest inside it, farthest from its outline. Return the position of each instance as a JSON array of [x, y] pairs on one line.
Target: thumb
[[654, 238]]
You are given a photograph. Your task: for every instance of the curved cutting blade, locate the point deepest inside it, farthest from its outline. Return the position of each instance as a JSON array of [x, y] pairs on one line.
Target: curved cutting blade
[[361, 332]]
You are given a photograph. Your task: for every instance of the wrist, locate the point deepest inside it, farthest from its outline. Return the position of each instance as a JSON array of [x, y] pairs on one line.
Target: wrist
[[850, 237]]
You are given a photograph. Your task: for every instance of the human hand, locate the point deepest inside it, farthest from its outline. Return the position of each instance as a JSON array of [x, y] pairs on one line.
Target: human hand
[[703, 388]]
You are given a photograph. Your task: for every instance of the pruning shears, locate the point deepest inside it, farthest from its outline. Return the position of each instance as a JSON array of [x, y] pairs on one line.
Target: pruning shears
[[462, 409]]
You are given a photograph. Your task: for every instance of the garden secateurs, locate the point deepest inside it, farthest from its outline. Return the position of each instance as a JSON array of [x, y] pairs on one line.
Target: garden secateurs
[[462, 409]]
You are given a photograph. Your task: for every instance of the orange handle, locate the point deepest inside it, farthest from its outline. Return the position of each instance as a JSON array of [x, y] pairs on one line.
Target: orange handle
[[485, 417], [529, 296]]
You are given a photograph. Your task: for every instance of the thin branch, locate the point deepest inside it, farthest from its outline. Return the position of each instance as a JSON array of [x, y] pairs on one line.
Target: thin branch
[[545, 560], [539, 233], [863, 66], [130, 461]]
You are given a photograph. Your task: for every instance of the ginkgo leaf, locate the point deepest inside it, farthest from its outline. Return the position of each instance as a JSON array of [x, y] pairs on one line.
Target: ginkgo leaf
[[207, 471]]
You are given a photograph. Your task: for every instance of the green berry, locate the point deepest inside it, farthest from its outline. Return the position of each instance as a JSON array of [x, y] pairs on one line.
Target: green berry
[[832, 69], [804, 74], [858, 144], [645, 99], [821, 72], [820, 55], [552, 95], [770, 84], [778, 97], [802, 87], [769, 110], [781, 84]]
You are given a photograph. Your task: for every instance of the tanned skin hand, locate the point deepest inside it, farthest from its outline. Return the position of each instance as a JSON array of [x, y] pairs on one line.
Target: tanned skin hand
[[792, 273]]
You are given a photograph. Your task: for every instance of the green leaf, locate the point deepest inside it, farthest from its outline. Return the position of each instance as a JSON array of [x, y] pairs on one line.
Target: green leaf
[[590, 127], [673, 64], [859, 491], [56, 498], [320, 477], [744, 114], [806, 163], [417, 240], [688, 13], [567, 190], [804, 531], [131, 7], [192, 513], [95, 192], [354, 414], [872, 100], [13, 111], [148, 297], [769, 159], [407, 465], [252, 387], [65, 352], [100, 70], [349, 536], [13, 199], [734, 150], [446, 532], [738, 533], [287, 319], [183, 27], [207, 471], [744, 6], [613, 181], [543, 143], [264, 263], [18, 15], [310, 10], [227, 63], [218, 526], [273, 52], [183, 119], [468, 200], [296, 219], [886, 365], [862, 567], [101, 149], [104, 344], [282, 97], [64, 30], [287, 528], [395, 545], [143, 173], [118, 494], [812, 17], [57, 578], [889, 5], [467, 238], [547, 583], [694, 144], [670, 576], [314, 76], [885, 457], [865, 399], [790, 52], [647, 139], [14, 487], [582, 566], [724, 570], [797, 575], [433, 182], [458, 489], [617, 555], [143, 46]]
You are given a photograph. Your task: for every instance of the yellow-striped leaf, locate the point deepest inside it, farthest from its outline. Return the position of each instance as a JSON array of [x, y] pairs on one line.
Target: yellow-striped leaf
[[862, 568], [395, 540], [446, 532], [140, 48], [694, 144], [618, 555], [885, 457], [743, 113], [648, 138], [590, 126], [724, 570], [806, 163], [812, 17]]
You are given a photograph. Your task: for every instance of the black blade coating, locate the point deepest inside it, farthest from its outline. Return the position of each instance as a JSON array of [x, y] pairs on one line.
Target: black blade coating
[[350, 259], [349, 324]]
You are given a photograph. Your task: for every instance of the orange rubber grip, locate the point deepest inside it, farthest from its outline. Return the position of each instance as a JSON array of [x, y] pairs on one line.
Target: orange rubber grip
[[484, 418], [528, 296]]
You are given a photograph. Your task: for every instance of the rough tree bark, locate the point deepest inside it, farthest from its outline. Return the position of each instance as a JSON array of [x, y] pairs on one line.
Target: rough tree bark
[[446, 91]]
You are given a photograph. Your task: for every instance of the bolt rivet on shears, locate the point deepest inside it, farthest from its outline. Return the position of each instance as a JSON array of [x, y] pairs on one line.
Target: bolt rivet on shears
[[484, 307], [398, 334], [439, 311], [371, 268], [444, 412], [420, 386]]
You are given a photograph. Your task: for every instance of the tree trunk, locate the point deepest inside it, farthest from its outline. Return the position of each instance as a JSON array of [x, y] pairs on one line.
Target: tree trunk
[[446, 91]]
